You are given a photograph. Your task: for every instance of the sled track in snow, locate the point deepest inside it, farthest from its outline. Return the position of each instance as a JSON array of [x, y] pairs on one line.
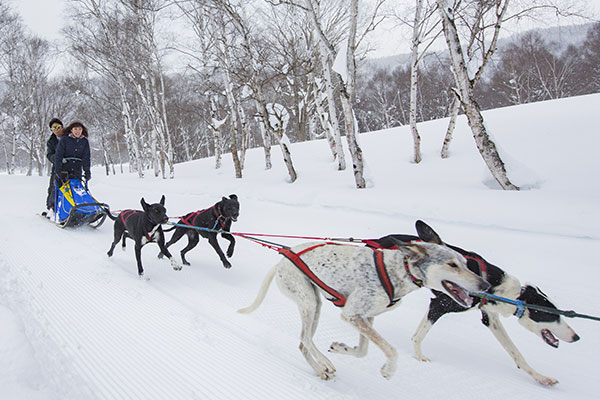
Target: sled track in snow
[[166, 349]]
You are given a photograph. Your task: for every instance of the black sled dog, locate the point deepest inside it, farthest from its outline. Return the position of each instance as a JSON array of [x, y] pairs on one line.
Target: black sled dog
[[548, 326], [143, 227], [218, 217]]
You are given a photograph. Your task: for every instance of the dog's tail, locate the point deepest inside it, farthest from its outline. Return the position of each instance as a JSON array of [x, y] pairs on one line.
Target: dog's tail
[[110, 215], [262, 292]]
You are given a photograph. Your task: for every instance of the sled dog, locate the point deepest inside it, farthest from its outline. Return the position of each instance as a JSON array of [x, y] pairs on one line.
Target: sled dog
[[218, 217], [363, 287], [548, 326], [143, 227]]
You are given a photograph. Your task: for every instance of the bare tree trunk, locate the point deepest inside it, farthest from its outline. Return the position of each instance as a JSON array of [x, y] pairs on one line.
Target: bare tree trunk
[[135, 156], [347, 94], [451, 125], [332, 109], [485, 145], [215, 126], [414, 78], [266, 140], [324, 117]]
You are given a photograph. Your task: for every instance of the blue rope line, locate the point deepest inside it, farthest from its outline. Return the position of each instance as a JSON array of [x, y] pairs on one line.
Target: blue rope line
[[521, 306]]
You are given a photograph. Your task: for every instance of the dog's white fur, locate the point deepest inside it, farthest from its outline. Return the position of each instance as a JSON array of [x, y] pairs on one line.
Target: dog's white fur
[[351, 271], [509, 288]]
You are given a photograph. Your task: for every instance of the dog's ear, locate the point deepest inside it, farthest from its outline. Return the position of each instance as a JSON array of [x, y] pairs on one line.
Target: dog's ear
[[426, 233], [144, 204], [233, 196], [414, 251], [162, 200]]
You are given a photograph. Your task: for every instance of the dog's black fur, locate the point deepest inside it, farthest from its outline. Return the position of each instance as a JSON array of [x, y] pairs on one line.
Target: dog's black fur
[[218, 217], [143, 227], [546, 325], [441, 304]]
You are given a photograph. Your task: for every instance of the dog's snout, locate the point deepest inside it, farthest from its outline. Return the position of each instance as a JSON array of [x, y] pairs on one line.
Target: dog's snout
[[575, 338], [485, 285]]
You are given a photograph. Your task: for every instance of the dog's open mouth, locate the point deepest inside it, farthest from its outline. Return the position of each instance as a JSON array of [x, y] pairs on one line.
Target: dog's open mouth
[[459, 294], [549, 338]]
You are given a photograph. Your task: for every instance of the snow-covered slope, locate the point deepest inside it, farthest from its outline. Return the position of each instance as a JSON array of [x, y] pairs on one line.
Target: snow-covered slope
[[78, 325]]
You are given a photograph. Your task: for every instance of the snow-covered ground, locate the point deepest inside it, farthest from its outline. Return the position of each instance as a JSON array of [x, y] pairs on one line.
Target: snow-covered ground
[[75, 324]]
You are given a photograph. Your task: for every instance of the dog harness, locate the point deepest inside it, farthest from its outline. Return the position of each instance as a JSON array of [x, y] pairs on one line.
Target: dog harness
[[482, 270], [190, 219], [373, 244], [337, 298], [125, 214]]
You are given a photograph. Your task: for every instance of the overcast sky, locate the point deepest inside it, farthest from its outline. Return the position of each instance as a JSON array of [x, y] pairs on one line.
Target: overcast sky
[[46, 17]]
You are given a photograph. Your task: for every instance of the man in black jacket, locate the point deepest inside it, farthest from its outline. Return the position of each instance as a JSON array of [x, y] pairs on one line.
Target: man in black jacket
[[56, 126]]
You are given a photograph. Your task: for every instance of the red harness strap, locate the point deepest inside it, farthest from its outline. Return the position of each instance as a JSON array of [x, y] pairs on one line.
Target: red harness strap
[[195, 214], [125, 214], [483, 270], [384, 277], [338, 299]]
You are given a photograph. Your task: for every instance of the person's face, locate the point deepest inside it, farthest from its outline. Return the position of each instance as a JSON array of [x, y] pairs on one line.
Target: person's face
[[57, 129], [77, 131]]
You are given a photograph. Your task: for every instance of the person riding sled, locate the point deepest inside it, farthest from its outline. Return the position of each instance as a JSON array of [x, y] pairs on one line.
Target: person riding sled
[[72, 155], [56, 127]]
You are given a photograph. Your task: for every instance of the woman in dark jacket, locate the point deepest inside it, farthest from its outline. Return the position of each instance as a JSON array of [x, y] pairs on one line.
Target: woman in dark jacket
[[73, 152]]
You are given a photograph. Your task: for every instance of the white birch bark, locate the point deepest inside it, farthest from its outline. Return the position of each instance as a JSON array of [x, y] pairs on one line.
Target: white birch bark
[[334, 127], [323, 116], [485, 145], [215, 127], [347, 94], [454, 108], [266, 139], [414, 78]]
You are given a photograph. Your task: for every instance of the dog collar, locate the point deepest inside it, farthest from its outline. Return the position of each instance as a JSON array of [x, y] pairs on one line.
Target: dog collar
[[414, 279]]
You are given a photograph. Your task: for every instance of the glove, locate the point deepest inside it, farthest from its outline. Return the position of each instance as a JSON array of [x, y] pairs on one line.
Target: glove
[[87, 175]]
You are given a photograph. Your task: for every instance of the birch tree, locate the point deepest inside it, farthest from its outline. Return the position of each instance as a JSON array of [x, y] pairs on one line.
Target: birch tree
[[465, 89], [94, 36], [256, 83]]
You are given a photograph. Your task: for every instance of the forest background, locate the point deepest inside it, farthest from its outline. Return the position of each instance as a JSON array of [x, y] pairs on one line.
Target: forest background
[[158, 82]]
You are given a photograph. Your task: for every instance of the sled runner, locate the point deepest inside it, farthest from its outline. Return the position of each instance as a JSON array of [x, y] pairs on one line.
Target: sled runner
[[75, 206]]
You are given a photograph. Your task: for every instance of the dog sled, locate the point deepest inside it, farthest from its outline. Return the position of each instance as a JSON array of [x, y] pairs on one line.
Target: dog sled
[[74, 205]]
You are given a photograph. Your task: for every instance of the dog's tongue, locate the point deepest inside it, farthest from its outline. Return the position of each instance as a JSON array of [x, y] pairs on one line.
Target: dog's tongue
[[549, 338], [459, 293]]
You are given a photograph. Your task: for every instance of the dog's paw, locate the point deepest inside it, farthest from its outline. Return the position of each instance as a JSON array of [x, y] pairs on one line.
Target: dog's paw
[[229, 253], [343, 348], [546, 381], [160, 255], [175, 266], [227, 265], [422, 358], [388, 370], [327, 371], [327, 375]]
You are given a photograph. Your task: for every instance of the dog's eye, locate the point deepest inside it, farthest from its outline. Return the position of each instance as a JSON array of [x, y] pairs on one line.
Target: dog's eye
[[453, 265]]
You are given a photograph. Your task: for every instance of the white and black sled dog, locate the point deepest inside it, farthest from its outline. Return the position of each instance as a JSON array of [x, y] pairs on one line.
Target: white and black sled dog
[[550, 327], [364, 282]]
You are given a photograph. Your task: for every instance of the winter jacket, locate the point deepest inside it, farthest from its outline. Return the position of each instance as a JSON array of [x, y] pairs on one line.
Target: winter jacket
[[73, 154], [51, 148]]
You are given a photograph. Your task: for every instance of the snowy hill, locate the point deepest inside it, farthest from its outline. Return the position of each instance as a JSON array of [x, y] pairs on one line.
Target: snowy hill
[[78, 325]]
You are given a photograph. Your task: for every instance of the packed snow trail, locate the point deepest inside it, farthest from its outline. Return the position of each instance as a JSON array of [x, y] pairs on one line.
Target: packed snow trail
[[79, 325]]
